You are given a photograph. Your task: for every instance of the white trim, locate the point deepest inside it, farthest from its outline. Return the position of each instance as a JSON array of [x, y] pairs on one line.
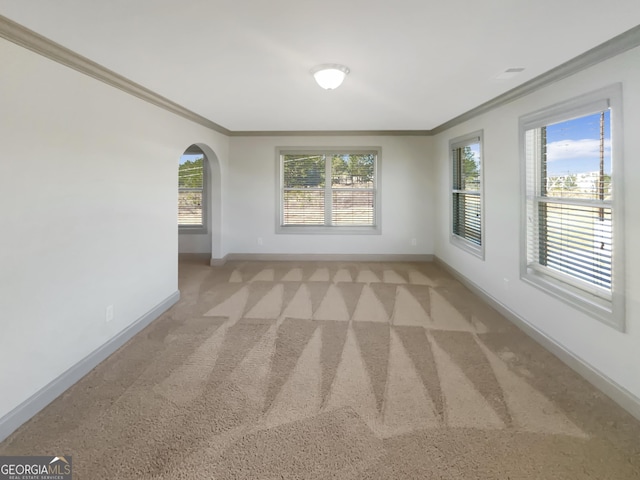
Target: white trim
[[321, 257], [43, 397], [214, 205], [16, 33], [620, 395], [609, 49], [331, 133]]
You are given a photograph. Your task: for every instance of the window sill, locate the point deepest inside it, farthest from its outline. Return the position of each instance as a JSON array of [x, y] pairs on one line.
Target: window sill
[[195, 230], [472, 248], [323, 230], [592, 305]]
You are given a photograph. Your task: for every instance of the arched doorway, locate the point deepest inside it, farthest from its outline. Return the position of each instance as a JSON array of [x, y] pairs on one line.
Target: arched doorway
[[199, 202]]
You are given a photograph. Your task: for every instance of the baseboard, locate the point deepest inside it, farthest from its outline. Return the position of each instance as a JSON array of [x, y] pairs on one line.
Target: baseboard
[[322, 257], [218, 262], [27, 409], [194, 257], [613, 390]]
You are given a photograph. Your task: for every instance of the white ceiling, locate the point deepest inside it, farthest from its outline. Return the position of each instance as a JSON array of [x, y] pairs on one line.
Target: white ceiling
[[244, 64]]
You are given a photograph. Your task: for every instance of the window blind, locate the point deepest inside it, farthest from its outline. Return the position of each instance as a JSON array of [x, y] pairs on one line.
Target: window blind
[[190, 192], [329, 189]]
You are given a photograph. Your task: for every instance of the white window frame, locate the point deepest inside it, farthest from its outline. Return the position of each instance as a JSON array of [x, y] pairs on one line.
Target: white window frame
[[607, 306], [375, 229], [455, 239], [204, 227]]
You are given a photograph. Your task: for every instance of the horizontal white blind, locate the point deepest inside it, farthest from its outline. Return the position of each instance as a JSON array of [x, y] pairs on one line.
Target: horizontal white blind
[[347, 199], [467, 216], [576, 240], [352, 181], [352, 207], [304, 194], [303, 206], [190, 192]]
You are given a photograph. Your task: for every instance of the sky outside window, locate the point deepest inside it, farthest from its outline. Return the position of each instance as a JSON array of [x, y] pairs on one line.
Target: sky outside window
[[573, 146]]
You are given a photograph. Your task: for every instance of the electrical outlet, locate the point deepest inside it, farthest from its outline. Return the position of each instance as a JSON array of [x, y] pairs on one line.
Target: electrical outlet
[[414, 242], [108, 315], [260, 241], [506, 283]]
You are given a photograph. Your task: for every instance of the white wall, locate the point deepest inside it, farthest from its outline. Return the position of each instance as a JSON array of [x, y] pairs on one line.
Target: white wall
[[615, 354], [88, 189], [407, 206]]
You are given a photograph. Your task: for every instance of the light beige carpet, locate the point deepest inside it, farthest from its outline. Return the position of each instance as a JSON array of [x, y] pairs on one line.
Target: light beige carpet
[[333, 371]]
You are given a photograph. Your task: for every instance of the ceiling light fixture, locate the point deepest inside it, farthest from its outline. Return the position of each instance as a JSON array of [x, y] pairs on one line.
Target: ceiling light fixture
[[329, 75]]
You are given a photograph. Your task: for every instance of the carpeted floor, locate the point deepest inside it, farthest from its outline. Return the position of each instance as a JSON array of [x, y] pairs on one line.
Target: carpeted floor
[[332, 371]]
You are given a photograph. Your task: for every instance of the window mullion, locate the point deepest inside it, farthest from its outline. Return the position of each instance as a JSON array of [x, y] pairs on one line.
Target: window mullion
[[328, 189]]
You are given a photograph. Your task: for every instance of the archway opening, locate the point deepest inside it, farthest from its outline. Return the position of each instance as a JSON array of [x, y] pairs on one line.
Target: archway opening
[[199, 202]]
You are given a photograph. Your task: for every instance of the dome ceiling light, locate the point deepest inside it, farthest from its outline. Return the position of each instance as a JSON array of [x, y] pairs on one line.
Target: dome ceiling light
[[330, 75]]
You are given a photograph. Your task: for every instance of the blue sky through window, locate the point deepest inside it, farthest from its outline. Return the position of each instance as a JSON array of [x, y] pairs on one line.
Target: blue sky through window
[[189, 157], [573, 146]]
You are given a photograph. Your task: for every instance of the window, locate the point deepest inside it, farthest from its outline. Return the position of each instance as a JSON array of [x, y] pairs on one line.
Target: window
[[466, 193], [191, 190], [572, 176], [329, 191]]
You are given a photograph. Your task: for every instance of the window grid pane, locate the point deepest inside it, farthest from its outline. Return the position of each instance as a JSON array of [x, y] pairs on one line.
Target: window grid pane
[[577, 241], [352, 170], [467, 217], [303, 207], [304, 171], [190, 208], [352, 207]]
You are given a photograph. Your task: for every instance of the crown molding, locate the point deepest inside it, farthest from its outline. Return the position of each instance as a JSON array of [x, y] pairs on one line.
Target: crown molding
[[332, 133], [31, 40], [16, 33], [615, 46]]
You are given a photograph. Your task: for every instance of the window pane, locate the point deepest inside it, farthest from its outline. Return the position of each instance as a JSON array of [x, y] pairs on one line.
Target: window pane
[[466, 167], [189, 208], [352, 170], [304, 171], [352, 207], [466, 217], [190, 172], [576, 240], [303, 207], [577, 158]]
